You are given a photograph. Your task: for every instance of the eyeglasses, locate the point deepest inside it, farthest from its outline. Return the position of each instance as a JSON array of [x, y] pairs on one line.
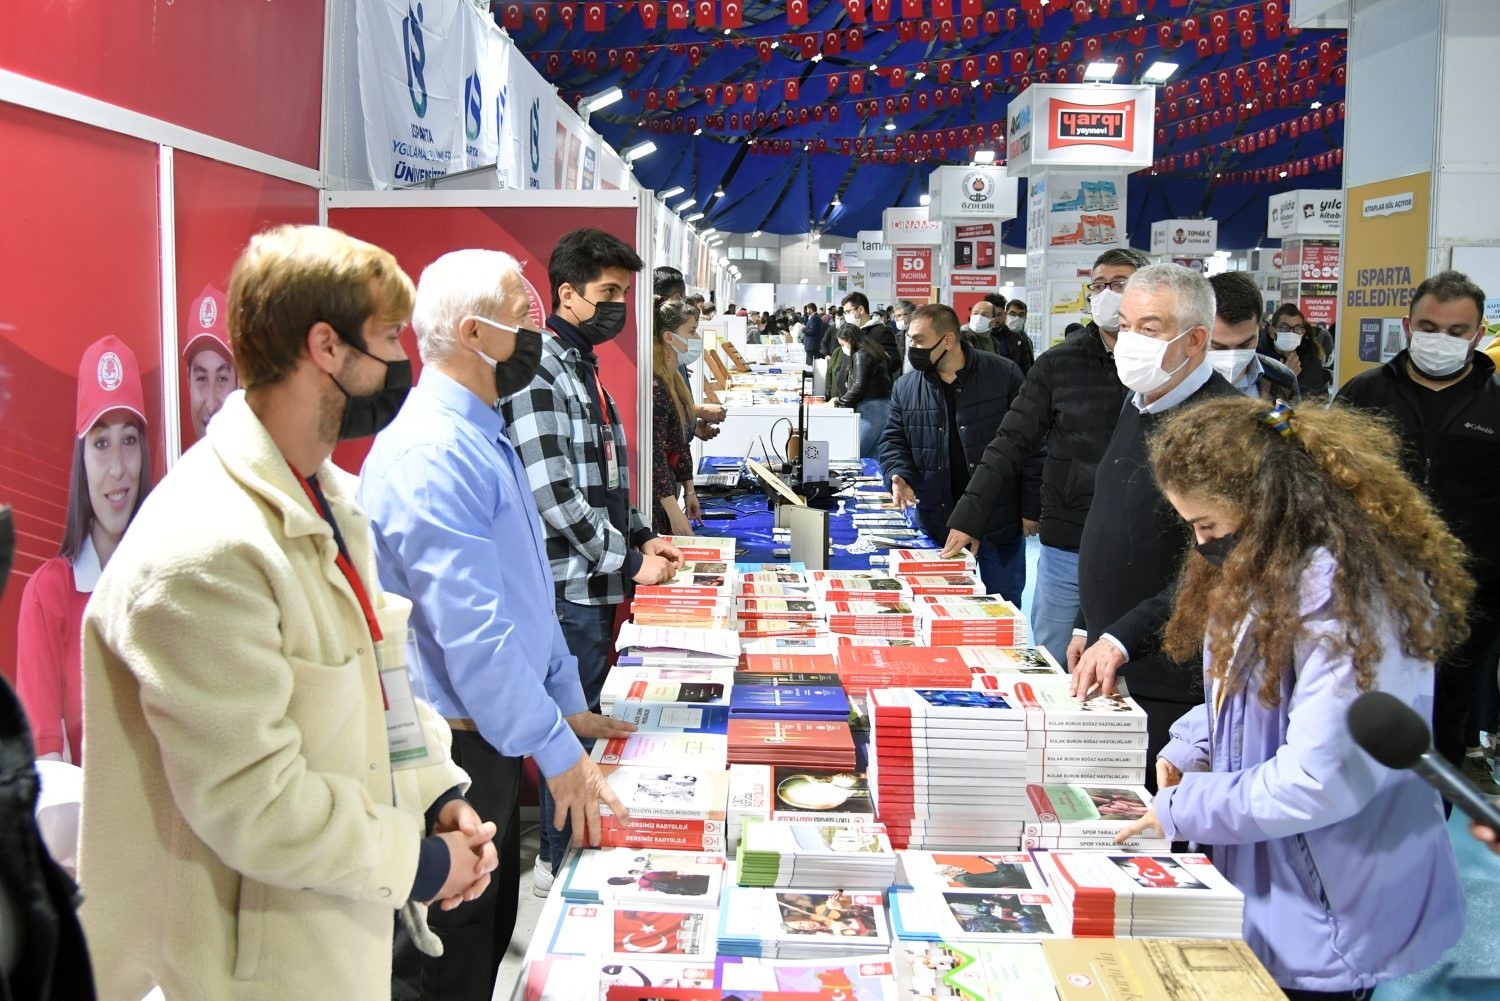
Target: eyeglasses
[[1118, 285], [1283, 328]]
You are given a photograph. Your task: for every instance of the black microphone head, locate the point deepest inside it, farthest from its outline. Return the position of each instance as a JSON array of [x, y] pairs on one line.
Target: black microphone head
[[1388, 730]]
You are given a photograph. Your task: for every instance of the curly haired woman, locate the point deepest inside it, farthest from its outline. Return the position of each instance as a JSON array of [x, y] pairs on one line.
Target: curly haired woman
[[1320, 572]]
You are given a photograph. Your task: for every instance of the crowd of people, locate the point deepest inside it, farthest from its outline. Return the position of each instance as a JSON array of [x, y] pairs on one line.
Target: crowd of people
[[277, 804]]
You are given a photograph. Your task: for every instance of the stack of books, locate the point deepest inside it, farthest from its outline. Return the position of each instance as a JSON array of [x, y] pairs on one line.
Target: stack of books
[[1089, 741], [970, 620], [628, 877], [826, 744], [624, 934], [793, 793], [864, 617], [788, 853], [654, 749], [709, 549], [943, 871], [801, 924], [643, 693], [669, 646], [928, 915], [1088, 817], [1117, 895], [788, 696], [803, 609], [673, 807], [791, 662], [930, 561], [927, 584], [699, 596], [864, 585], [856, 978], [775, 584], [822, 643]]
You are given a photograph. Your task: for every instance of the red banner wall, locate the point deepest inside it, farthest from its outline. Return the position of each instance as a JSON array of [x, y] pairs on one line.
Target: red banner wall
[[418, 236], [247, 71], [217, 208], [82, 263]]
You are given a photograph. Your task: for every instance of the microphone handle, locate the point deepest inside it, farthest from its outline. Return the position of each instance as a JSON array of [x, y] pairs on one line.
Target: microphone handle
[[1442, 776]]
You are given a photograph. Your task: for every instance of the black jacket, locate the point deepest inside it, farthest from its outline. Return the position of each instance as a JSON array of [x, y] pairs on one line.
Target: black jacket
[[915, 443], [1314, 379], [1456, 462], [1132, 546], [1070, 401], [886, 338], [869, 379], [1015, 346], [812, 333]]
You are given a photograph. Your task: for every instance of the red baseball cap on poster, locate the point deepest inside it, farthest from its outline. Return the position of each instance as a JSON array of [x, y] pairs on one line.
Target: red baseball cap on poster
[[206, 326], [108, 379]]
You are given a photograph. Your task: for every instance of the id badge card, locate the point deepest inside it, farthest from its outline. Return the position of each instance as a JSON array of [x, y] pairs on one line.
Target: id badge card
[[611, 460], [405, 737]]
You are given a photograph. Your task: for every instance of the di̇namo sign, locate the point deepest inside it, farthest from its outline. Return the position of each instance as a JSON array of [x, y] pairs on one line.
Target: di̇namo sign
[[1387, 230]]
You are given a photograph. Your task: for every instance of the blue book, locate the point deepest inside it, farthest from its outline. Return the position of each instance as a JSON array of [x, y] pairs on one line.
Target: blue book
[[789, 701], [660, 718]]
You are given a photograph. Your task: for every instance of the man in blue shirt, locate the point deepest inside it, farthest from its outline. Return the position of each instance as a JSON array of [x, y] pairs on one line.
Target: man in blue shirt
[[457, 532]]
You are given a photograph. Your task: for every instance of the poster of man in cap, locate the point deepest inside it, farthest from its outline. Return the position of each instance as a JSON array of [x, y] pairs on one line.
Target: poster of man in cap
[[207, 362]]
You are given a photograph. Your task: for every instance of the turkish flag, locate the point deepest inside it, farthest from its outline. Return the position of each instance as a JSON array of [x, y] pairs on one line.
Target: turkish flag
[[970, 68], [695, 55], [911, 9], [796, 13], [593, 17], [833, 82], [514, 17], [648, 13], [898, 77], [704, 14], [730, 96], [942, 8], [630, 60], [809, 43], [763, 47], [541, 15], [750, 91], [677, 14], [732, 14], [968, 27], [567, 13], [854, 40], [791, 90], [881, 10], [830, 43], [857, 82], [856, 11], [904, 31]]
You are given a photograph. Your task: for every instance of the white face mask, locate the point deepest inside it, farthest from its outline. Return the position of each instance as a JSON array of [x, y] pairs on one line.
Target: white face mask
[[1017, 324], [900, 323], [1232, 362], [1439, 355], [850, 316], [1287, 341], [1138, 360], [979, 323], [1105, 307], [692, 352]]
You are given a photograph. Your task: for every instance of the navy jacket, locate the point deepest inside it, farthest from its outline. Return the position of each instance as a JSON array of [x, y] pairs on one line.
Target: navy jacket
[[915, 443]]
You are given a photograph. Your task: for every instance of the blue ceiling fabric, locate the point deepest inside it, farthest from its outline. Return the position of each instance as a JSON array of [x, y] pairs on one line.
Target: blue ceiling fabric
[[787, 180]]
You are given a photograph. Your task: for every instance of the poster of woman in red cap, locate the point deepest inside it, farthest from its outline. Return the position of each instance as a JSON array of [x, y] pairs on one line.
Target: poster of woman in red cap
[[110, 476]]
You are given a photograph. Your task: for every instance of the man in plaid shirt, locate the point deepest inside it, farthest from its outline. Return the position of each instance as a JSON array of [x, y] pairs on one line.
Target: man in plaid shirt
[[571, 439]]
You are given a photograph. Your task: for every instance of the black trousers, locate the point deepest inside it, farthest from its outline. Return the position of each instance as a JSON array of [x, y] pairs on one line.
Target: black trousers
[[1160, 715], [1295, 995], [1457, 684], [475, 935]]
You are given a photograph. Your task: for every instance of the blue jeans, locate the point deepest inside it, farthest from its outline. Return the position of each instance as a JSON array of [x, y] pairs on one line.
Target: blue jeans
[[1003, 567], [1054, 607], [590, 634], [873, 416]]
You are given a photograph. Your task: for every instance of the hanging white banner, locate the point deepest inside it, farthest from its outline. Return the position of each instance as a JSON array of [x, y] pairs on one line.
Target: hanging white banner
[[529, 138]]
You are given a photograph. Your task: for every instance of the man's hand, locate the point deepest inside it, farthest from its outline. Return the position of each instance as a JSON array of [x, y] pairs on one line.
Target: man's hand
[[1096, 669], [956, 541], [1146, 823], [655, 570], [1167, 774], [1028, 527], [592, 726], [1293, 362], [1075, 652], [578, 793], [713, 413], [1485, 836], [691, 507], [471, 856], [704, 431], [902, 493], [667, 551]]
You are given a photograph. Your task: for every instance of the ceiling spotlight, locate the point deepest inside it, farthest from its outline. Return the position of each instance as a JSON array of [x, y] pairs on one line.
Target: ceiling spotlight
[[919, 75], [1248, 106], [835, 201], [1140, 17], [874, 67], [1158, 72], [1282, 174], [984, 156], [890, 124], [925, 200], [1099, 71], [706, 232], [694, 217], [672, 192], [697, 132], [719, 193], [630, 154], [974, 84], [756, 233], [641, 124], [603, 99], [726, 31], [684, 204], [1316, 105], [817, 57]]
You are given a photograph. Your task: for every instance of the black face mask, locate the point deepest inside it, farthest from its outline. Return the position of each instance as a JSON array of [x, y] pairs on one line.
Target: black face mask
[[606, 323], [921, 358], [516, 374], [366, 416], [7, 545], [1216, 550]]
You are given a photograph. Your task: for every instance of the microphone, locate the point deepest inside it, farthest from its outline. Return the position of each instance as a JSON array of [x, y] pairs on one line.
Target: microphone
[[1389, 731]]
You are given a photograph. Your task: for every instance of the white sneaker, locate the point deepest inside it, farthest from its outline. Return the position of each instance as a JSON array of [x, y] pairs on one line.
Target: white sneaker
[[541, 878]]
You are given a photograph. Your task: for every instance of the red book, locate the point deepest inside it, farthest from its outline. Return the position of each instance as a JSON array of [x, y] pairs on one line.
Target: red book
[[811, 743], [674, 835], [862, 668], [788, 663]]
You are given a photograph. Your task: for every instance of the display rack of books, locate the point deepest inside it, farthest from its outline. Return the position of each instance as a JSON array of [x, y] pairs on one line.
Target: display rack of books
[[865, 785]]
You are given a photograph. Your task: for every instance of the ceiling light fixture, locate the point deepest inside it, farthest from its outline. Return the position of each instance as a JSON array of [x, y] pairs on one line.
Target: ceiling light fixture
[[1140, 17], [1316, 105], [756, 233], [874, 67], [1282, 174], [973, 84], [817, 57], [890, 124], [684, 204], [1158, 72], [925, 200], [672, 192], [706, 232], [984, 156], [1100, 71], [694, 217], [603, 99], [697, 132], [630, 154], [719, 193], [919, 75]]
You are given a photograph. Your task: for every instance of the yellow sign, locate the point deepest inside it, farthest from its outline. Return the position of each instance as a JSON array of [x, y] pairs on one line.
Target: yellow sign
[[1386, 232]]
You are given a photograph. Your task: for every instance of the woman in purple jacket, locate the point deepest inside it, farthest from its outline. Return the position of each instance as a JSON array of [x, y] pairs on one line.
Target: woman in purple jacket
[[1320, 572]]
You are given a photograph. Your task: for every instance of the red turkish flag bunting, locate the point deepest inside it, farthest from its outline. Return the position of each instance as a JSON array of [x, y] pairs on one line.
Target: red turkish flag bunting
[[968, 27], [750, 91], [791, 90], [898, 77], [942, 8], [831, 43], [796, 13], [732, 14], [541, 16], [630, 60], [971, 8], [854, 40], [857, 82], [567, 12], [881, 10], [833, 82], [911, 9], [677, 14], [809, 44], [856, 11], [730, 96], [514, 17], [704, 14], [763, 47], [593, 17], [905, 30], [648, 13]]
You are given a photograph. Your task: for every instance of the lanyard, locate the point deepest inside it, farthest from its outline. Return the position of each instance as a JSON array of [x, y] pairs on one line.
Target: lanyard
[[604, 402], [350, 574]]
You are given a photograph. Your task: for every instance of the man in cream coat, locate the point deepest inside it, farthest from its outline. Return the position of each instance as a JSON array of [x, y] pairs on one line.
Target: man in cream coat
[[244, 833]]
